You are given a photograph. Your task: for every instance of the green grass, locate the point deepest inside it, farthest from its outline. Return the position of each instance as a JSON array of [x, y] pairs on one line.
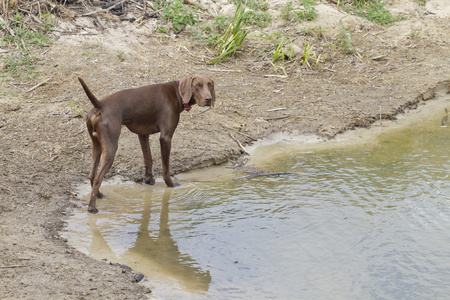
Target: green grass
[[293, 13], [372, 10], [178, 14], [345, 41], [257, 5], [233, 37], [21, 63], [260, 19]]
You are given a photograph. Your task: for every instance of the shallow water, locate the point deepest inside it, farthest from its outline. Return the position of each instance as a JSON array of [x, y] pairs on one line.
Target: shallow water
[[365, 220]]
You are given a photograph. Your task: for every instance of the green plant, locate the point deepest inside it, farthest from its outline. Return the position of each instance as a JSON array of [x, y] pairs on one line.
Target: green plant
[[372, 10], [233, 37], [22, 62], [162, 29], [180, 15], [252, 4], [76, 109], [345, 40], [121, 55], [414, 34], [297, 14], [256, 18]]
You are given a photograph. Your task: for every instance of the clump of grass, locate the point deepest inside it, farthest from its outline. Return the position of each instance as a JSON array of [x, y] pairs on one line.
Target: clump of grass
[[179, 14], [232, 38], [283, 52], [18, 35], [345, 40], [299, 14], [77, 110], [372, 10], [121, 55], [260, 19], [257, 5]]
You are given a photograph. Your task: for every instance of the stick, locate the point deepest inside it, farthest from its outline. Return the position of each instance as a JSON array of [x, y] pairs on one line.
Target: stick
[[103, 10], [221, 70], [277, 109], [263, 174], [239, 144], [40, 84], [12, 267], [276, 118]]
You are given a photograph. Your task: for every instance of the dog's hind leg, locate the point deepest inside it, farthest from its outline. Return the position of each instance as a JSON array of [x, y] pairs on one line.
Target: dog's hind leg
[[148, 162], [109, 143]]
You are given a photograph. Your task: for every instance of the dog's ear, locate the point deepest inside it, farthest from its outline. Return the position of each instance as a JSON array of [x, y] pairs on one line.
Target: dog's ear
[[185, 89]]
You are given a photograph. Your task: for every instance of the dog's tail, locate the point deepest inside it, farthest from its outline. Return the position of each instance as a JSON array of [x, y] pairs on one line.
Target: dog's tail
[[97, 104]]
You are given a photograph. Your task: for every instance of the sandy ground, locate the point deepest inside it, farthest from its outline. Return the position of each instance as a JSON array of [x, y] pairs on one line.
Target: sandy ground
[[45, 150]]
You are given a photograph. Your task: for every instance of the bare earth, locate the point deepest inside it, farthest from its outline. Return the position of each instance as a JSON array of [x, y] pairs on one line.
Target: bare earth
[[45, 149]]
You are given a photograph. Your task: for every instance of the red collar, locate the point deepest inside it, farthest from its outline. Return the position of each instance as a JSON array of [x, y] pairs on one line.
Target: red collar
[[186, 106]]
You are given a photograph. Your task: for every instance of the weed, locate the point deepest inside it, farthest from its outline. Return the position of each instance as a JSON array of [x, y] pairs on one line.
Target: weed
[[318, 31], [413, 34], [261, 19], [372, 10], [76, 109], [121, 55], [180, 15], [21, 63], [233, 37], [297, 14], [260, 5], [162, 29], [345, 40]]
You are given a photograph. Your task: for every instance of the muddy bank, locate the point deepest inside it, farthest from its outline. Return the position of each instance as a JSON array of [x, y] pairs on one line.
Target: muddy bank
[[45, 150]]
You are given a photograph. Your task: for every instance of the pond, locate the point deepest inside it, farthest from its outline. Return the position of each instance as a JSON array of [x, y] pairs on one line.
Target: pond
[[362, 217]]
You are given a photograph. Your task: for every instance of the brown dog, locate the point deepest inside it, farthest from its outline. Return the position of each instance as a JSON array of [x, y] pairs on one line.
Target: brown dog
[[145, 110]]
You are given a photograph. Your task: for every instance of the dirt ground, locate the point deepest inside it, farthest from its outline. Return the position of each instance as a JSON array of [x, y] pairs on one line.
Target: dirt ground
[[45, 150]]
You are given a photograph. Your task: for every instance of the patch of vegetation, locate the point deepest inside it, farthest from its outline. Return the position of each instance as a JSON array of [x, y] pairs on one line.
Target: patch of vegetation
[[299, 14], [232, 38], [260, 19], [345, 40], [179, 14], [77, 110], [372, 10], [16, 34], [284, 52], [257, 5], [121, 55]]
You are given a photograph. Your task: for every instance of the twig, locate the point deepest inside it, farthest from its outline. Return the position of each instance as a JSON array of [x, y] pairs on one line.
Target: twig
[[103, 10], [279, 76], [205, 110], [277, 109], [246, 135], [239, 144], [40, 84], [12, 267], [277, 118], [263, 174], [221, 70]]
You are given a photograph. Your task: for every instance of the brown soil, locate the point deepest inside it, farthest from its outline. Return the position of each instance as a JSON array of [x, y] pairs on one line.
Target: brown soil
[[45, 150]]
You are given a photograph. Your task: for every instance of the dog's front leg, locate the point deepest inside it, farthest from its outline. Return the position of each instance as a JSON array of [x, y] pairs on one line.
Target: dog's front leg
[[166, 144]]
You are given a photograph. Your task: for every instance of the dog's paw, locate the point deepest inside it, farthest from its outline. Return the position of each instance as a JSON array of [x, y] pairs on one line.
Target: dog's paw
[[149, 180], [92, 210]]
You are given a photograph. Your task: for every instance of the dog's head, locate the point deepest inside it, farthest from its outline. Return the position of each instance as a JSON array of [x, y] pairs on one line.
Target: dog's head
[[197, 89]]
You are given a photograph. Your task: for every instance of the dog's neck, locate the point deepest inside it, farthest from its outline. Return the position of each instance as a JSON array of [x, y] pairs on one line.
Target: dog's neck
[[185, 106]]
